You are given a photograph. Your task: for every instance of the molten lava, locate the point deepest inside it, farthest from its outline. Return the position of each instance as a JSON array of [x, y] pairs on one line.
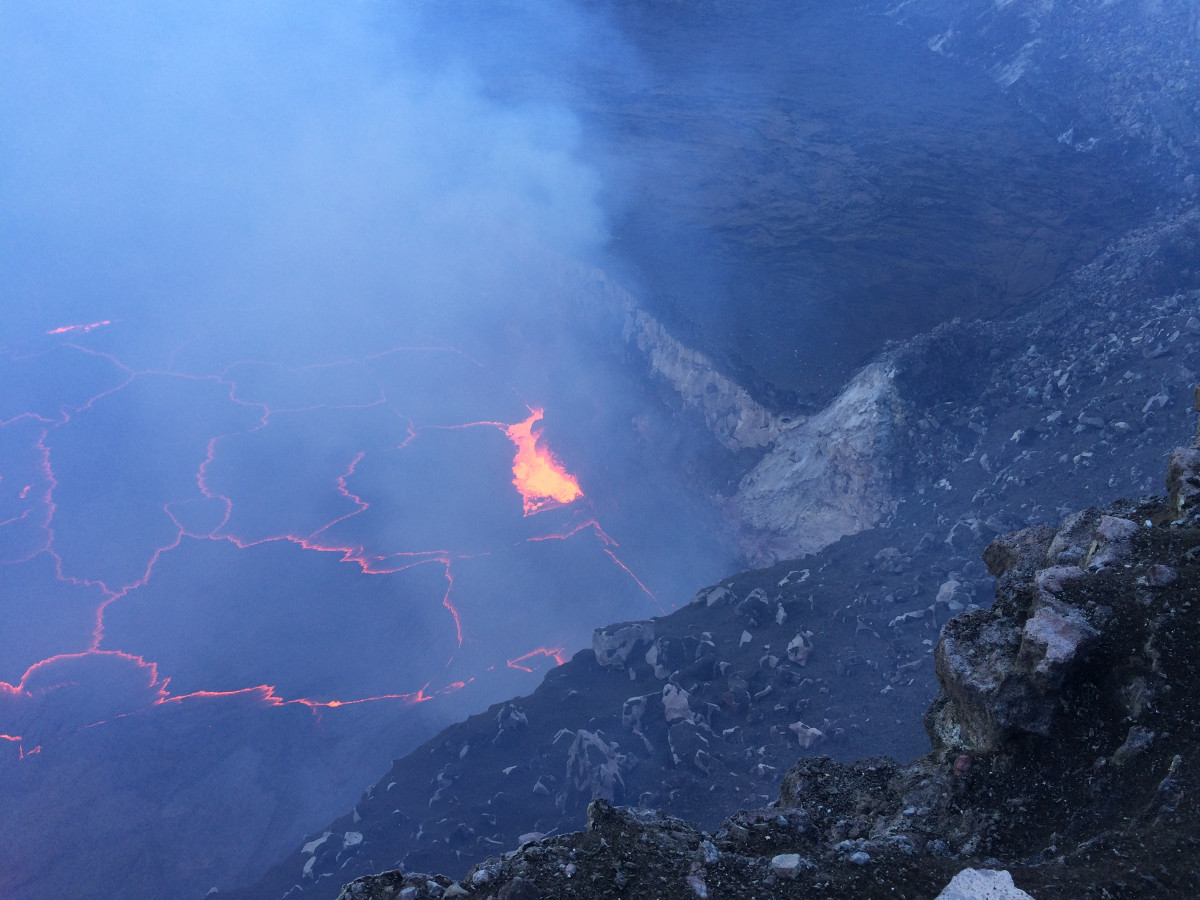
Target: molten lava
[[68, 329], [195, 508], [526, 663], [540, 478]]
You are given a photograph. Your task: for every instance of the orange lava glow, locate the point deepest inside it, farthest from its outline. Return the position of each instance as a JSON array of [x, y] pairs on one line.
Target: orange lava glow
[[525, 663], [67, 329], [537, 475]]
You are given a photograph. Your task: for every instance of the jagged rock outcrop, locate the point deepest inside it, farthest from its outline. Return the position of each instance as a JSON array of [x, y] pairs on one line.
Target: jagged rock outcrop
[[614, 643], [825, 478], [821, 478], [736, 419], [1084, 665]]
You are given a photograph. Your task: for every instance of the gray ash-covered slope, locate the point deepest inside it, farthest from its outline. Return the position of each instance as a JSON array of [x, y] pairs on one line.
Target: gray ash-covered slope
[[1066, 752], [699, 712], [994, 427]]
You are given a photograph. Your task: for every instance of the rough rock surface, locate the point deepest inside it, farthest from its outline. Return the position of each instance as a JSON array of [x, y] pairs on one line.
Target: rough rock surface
[[1122, 81], [982, 884], [1048, 799], [825, 478], [787, 236], [798, 224], [731, 414], [972, 419]]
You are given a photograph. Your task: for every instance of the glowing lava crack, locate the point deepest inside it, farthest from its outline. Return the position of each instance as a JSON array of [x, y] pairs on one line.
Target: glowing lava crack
[[192, 504]]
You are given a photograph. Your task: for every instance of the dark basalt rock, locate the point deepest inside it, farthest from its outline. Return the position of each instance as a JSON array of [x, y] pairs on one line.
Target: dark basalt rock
[[1066, 753]]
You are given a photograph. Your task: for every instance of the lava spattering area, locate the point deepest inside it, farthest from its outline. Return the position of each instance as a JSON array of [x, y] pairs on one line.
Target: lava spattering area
[[293, 570]]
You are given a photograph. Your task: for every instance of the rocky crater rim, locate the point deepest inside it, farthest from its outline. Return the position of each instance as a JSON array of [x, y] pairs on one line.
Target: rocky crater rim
[[1083, 665]]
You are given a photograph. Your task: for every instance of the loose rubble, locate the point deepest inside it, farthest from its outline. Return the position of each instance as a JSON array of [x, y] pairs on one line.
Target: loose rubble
[[1047, 698]]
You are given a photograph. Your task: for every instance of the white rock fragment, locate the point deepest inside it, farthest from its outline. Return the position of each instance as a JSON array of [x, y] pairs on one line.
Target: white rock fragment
[[1112, 542], [800, 647], [746, 638], [660, 671], [714, 596], [594, 766], [675, 704], [1053, 636], [787, 579], [948, 591], [788, 865], [806, 735], [484, 874], [351, 839], [982, 884], [914, 616], [613, 644], [1158, 401], [509, 718], [1114, 528], [311, 846]]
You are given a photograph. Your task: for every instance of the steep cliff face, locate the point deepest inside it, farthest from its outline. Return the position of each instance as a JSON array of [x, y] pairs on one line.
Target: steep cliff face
[[1065, 754], [826, 477], [736, 420], [820, 478], [812, 181], [1109, 79]]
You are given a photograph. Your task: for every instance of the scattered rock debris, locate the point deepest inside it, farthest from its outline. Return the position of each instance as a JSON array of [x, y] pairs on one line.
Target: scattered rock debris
[[1047, 699]]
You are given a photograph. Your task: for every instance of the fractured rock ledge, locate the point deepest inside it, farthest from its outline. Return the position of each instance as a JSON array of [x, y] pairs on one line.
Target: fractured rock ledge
[[824, 478]]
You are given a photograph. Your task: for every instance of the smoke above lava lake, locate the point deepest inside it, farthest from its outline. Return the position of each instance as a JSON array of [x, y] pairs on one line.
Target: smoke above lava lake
[[302, 376]]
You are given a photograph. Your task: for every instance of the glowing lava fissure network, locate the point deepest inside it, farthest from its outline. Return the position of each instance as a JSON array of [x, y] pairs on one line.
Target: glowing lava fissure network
[[107, 478]]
